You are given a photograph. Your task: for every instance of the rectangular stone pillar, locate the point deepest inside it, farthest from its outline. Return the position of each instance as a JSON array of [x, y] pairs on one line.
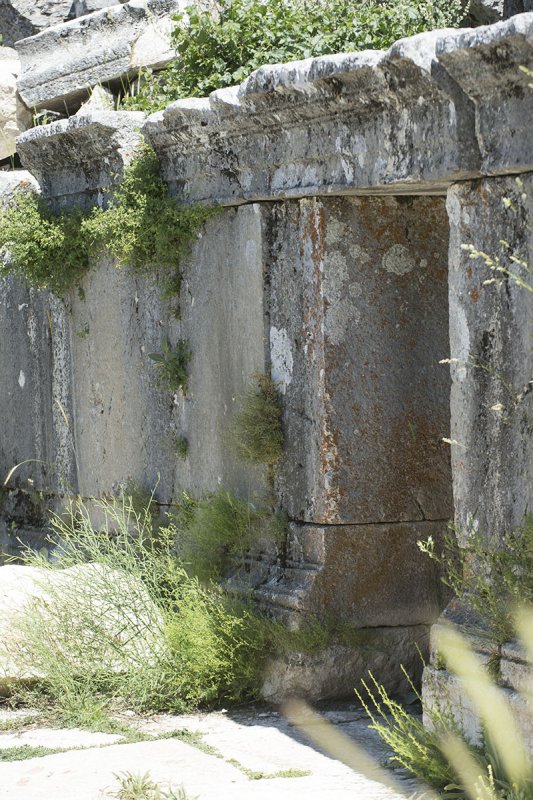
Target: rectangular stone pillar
[[491, 347], [358, 323], [492, 357]]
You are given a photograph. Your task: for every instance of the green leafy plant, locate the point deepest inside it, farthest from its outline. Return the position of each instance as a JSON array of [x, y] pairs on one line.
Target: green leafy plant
[[490, 580], [142, 226], [221, 45], [121, 624], [181, 445], [48, 249], [142, 787], [256, 432], [172, 364]]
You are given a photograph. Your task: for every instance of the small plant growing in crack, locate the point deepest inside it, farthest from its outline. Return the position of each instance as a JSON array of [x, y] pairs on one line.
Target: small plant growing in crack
[[172, 364]]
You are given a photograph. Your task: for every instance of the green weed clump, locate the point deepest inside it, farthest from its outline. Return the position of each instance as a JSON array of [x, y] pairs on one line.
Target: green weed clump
[[222, 45], [256, 432], [48, 249], [172, 364], [217, 531], [126, 626], [142, 227]]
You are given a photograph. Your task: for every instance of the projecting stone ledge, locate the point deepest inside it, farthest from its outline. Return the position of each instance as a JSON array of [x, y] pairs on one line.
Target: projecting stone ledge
[[61, 64], [81, 157], [412, 119]]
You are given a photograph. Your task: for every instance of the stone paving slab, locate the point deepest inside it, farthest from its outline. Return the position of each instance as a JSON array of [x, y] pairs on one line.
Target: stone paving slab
[[248, 740], [57, 739]]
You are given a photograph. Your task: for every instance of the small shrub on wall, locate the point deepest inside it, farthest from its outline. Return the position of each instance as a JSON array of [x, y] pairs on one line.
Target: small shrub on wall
[[46, 249], [143, 228], [257, 435], [222, 45]]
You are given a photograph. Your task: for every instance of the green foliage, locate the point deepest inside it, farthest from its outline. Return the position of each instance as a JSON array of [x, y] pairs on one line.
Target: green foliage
[[218, 530], [491, 580], [47, 249], [133, 629], [415, 748], [144, 228], [142, 787], [181, 445], [222, 45], [256, 432], [24, 751], [172, 364]]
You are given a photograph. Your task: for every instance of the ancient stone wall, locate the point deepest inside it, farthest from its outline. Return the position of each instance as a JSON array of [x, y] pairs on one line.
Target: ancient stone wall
[[335, 264]]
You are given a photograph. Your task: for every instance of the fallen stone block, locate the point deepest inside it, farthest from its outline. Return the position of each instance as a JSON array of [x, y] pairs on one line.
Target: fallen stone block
[[21, 18], [135, 621], [61, 64]]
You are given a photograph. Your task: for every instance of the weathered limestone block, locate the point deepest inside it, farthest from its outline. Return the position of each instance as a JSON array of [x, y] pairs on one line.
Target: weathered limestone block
[[358, 323], [222, 313], [30, 353], [484, 12], [61, 64], [485, 63], [490, 335], [14, 116], [411, 119], [125, 424], [357, 574], [78, 159], [338, 670], [442, 689], [21, 18]]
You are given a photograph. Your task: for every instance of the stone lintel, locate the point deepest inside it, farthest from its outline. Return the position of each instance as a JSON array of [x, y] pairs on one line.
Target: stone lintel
[[411, 119], [60, 64], [82, 156]]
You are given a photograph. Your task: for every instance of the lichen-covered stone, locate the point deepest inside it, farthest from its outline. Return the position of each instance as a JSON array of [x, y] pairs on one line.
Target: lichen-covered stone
[[358, 323], [356, 574]]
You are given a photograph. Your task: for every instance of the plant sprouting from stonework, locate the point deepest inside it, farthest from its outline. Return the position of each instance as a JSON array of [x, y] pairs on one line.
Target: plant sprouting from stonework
[[256, 432], [491, 581], [220, 45], [510, 265], [48, 249], [172, 364], [142, 228]]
